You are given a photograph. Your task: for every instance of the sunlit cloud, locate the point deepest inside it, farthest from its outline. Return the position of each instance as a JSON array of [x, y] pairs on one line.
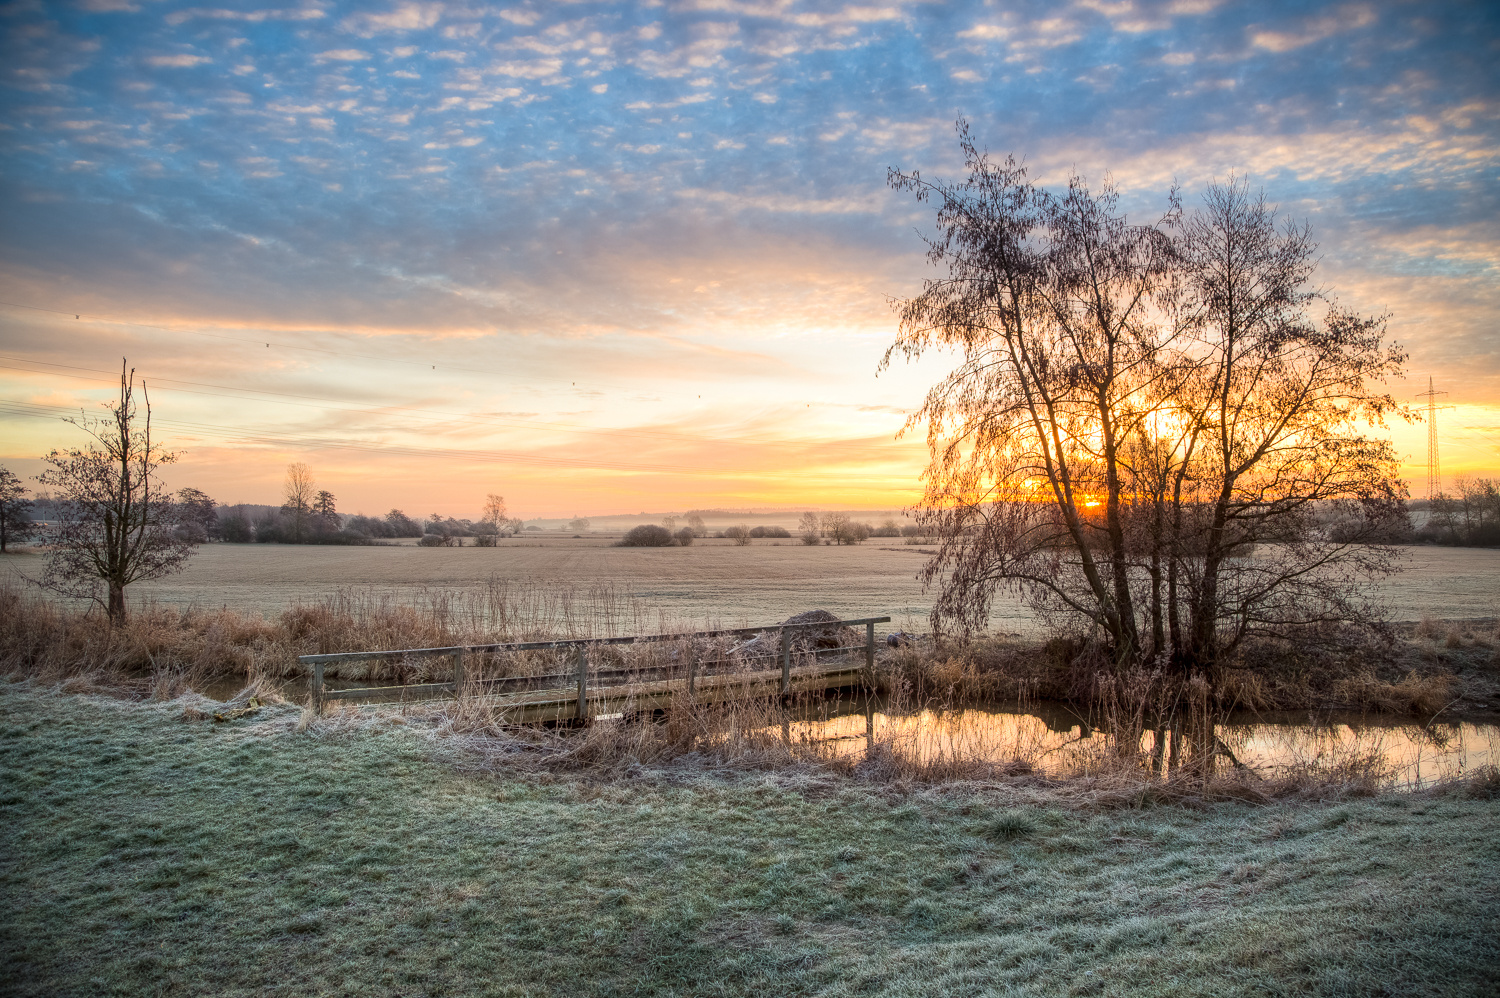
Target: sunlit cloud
[[668, 221]]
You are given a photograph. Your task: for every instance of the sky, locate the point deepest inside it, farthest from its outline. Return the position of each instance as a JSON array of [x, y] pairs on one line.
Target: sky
[[608, 257]]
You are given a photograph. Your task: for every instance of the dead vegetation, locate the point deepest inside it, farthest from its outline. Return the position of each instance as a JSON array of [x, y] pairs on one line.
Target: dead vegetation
[[1419, 670], [1159, 741]]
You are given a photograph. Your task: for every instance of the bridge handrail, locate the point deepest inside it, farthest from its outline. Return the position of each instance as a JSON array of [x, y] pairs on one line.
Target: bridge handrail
[[348, 656], [580, 647]]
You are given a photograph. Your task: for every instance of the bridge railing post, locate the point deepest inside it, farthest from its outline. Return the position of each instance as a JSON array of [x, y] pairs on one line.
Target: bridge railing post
[[870, 653], [317, 689], [583, 682], [786, 661], [458, 675]]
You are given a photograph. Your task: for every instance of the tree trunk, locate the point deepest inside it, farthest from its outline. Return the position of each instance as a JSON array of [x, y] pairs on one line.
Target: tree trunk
[[116, 603]]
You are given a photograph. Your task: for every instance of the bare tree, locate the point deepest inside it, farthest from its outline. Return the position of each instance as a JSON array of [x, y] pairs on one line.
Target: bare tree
[[837, 527], [696, 524], [298, 494], [1146, 420], [116, 517], [807, 528], [495, 512], [15, 515], [740, 534]]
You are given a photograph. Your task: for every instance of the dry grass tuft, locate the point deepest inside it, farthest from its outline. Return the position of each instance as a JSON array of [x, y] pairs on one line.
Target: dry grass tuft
[[1429, 628], [1421, 695]]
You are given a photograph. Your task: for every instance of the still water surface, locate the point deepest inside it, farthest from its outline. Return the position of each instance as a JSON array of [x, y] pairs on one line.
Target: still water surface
[[1058, 741]]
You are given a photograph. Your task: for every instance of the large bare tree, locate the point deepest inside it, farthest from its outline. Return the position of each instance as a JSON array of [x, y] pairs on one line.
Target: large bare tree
[[299, 494], [1146, 429], [116, 516]]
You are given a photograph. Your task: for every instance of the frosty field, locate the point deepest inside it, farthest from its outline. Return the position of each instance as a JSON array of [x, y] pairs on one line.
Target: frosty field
[[709, 581]]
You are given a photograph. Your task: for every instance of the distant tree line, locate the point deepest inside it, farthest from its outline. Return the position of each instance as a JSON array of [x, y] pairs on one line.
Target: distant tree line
[[1469, 517]]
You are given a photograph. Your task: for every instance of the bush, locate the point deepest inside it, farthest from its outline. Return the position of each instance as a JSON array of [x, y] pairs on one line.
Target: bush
[[648, 535], [684, 536], [887, 529], [236, 529], [190, 532], [486, 540], [269, 529], [740, 535], [809, 537], [770, 532], [402, 525], [435, 541], [370, 526]]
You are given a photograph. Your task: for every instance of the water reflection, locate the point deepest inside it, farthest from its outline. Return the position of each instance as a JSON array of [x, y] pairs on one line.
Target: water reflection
[[1057, 741]]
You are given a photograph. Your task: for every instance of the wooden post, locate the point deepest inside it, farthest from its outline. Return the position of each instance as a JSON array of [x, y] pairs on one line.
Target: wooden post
[[870, 654], [458, 674], [786, 661], [692, 675], [317, 688], [583, 682]]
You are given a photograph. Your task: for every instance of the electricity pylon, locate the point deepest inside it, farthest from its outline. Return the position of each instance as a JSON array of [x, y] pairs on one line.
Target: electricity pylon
[[1434, 475]]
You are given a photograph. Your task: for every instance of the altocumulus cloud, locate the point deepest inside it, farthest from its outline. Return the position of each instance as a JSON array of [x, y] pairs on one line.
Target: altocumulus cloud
[[712, 174]]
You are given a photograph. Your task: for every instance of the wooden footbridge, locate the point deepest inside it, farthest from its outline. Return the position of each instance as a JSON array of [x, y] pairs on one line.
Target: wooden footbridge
[[582, 692]]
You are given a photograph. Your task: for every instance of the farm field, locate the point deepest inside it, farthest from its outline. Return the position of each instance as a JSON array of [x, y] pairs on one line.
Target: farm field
[[711, 581], [148, 854]]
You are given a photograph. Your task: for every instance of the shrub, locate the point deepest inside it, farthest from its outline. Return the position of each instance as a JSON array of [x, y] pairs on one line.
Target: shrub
[[648, 535], [770, 532], [809, 537], [486, 540], [435, 541], [190, 532], [887, 529], [370, 526], [236, 529], [402, 525], [741, 535], [684, 536]]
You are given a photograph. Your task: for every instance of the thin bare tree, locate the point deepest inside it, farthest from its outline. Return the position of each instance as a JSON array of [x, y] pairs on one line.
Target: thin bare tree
[[298, 495], [495, 512], [116, 516]]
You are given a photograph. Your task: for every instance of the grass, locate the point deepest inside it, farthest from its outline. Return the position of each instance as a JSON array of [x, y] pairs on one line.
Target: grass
[[146, 854]]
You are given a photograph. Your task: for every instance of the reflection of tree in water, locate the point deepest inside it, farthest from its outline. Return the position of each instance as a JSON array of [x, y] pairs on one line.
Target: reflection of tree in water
[[1053, 740]]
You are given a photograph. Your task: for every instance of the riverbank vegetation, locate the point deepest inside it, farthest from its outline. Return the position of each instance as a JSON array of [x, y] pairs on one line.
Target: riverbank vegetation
[[152, 854], [1417, 670]]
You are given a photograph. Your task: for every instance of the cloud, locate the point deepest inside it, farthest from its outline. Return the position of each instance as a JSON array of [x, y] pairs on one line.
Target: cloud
[[248, 16], [548, 180], [1314, 29], [342, 55], [401, 18], [177, 61]]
